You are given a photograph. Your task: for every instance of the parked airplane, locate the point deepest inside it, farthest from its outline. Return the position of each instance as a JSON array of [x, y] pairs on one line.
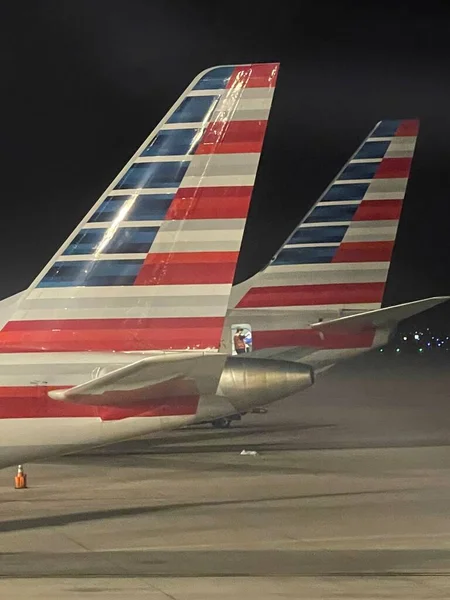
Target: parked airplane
[[128, 329]]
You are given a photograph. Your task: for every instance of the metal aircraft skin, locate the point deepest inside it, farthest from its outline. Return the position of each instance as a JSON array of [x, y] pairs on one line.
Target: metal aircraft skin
[[128, 329]]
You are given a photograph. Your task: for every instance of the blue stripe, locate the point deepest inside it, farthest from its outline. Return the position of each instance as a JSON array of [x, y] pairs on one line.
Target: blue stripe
[[145, 207], [193, 109], [319, 235], [153, 175], [91, 282], [325, 214], [124, 240], [373, 150], [359, 171], [92, 273], [303, 256], [172, 142], [386, 129], [346, 191], [215, 79]]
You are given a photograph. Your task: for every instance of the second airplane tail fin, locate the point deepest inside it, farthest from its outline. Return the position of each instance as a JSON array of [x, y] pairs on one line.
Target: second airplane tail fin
[[339, 256]]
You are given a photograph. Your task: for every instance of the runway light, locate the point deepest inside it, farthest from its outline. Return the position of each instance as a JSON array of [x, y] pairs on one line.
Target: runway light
[[416, 336], [397, 349], [405, 337]]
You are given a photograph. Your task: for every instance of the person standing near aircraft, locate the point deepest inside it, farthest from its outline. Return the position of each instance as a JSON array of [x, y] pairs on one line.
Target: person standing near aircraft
[[239, 343]]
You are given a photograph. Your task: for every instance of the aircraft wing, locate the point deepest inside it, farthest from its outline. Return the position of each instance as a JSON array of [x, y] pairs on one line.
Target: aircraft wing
[[163, 378]]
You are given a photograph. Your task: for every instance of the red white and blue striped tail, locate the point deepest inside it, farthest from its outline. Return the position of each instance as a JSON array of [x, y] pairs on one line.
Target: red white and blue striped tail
[[339, 256], [151, 265]]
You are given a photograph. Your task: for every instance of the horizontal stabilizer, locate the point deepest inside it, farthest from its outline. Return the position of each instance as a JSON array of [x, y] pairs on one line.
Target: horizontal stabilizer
[[163, 378], [378, 319]]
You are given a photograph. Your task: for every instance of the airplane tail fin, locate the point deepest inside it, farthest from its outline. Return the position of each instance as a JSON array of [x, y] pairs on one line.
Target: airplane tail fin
[[151, 265], [339, 256]]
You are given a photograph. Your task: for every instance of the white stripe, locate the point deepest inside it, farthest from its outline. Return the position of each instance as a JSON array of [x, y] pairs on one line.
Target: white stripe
[[351, 181], [203, 225], [210, 235], [27, 361], [174, 158], [228, 104], [384, 195], [199, 246], [402, 144], [94, 257], [215, 92], [289, 320], [313, 277], [339, 203], [130, 291], [390, 183], [197, 125], [219, 180], [137, 312], [371, 234], [380, 139], [280, 314], [324, 267], [110, 224], [365, 160], [328, 224], [318, 245], [137, 191]]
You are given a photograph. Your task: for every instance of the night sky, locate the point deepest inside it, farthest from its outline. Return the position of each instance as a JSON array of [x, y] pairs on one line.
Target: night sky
[[85, 81]]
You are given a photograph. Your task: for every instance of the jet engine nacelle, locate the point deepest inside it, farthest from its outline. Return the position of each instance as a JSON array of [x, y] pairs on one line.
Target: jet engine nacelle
[[249, 382]]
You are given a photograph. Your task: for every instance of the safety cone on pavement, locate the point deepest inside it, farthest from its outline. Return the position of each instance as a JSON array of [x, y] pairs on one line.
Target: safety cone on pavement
[[20, 479]]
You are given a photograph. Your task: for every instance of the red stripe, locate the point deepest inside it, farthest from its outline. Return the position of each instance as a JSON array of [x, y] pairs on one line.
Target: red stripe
[[183, 274], [227, 137], [110, 334], [379, 210], [311, 338], [210, 203], [309, 295], [364, 252], [164, 323], [253, 76], [409, 127], [180, 268], [393, 167], [23, 402]]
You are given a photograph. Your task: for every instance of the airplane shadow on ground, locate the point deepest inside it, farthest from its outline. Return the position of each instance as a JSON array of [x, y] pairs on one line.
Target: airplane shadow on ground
[[96, 515], [184, 442]]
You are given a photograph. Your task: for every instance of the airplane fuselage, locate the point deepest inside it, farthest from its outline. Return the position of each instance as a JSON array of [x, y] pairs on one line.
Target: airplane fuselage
[[33, 425]]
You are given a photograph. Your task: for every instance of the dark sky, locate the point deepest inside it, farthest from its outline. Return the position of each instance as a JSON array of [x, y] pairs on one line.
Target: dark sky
[[84, 82]]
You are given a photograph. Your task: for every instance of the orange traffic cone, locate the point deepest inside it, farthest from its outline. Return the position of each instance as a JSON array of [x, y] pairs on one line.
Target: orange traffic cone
[[20, 479]]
